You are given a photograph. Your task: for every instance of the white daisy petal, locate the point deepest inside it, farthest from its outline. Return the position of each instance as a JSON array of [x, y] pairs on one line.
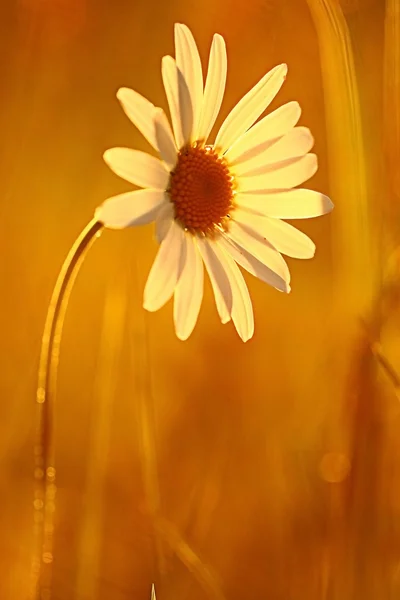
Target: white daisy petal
[[179, 102], [291, 204], [253, 265], [140, 111], [284, 237], [262, 134], [250, 107], [189, 64], [189, 290], [132, 208], [163, 220], [242, 309], [164, 273], [215, 87], [165, 139], [289, 240], [137, 167], [261, 249], [284, 174], [218, 277], [296, 143]]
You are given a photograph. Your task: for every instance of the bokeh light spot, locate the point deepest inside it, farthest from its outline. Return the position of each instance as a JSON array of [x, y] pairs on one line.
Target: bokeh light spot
[[334, 467]]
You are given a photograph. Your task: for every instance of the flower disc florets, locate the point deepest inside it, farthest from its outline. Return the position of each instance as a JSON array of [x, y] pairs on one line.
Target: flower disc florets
[[201, 189]]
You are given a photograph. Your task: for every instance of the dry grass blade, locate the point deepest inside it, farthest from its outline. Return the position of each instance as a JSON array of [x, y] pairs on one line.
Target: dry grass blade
[[189, 558], [355, 280], [139, 352], [352, 224], [391, 97], [165, 533], [387, 367], [90, 544]]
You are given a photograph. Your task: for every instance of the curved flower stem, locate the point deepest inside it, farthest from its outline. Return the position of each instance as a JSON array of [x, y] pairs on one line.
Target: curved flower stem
[[45, 397]]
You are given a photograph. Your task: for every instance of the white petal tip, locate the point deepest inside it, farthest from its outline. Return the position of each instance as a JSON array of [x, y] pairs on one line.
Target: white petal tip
[[284, 69], [329, 206], [122, 92], [307, 253], [182, 337], [106, 156], [247, 337], [297, 106], [284, 290], [218, 36], [149, 307], [312, 249], [314, 160], [166, 59]]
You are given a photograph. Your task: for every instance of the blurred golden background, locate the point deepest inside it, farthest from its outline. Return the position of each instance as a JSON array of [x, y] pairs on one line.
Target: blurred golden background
[[214, 468]]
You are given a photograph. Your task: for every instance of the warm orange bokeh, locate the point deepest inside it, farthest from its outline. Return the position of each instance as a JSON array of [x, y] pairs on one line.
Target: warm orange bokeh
[[277, 462]]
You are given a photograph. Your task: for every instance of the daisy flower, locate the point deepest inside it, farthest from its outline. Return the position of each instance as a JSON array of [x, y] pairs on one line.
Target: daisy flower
[[216, 205]]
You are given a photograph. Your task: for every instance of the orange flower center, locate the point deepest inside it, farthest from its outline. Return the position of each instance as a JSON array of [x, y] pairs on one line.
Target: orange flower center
[[201, 189]]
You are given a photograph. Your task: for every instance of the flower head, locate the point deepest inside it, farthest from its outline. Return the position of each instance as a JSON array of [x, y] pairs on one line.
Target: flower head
[[220, 205]]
